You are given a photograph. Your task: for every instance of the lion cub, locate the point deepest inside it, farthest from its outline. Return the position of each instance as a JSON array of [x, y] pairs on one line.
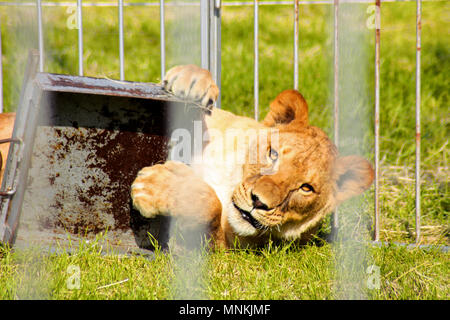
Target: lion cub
[[278, 178]]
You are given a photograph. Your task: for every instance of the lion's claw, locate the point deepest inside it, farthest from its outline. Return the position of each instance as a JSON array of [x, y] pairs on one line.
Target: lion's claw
[[192, 83]]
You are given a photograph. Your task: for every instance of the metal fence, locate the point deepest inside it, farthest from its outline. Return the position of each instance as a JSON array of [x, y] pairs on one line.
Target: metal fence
[[210, 24]]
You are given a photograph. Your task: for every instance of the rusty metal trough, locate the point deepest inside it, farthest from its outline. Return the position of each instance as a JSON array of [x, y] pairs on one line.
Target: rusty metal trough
[[78, 143]]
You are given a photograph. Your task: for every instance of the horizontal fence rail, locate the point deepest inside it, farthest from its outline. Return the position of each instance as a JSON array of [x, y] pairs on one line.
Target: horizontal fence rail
[[224, 4], [120, 4]]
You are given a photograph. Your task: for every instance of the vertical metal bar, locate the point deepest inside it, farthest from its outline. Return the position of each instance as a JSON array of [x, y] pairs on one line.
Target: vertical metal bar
[[376, 235], [80, 36], [217, 49], [335, 217], [40, 36], [256, 59], [1, 71], [296, 33], [163, 38], [336, 72], [121, 53], [204, 33], [418, 102]]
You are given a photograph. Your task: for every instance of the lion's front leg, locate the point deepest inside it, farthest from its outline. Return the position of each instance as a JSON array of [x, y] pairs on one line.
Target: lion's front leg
[[173, 189]]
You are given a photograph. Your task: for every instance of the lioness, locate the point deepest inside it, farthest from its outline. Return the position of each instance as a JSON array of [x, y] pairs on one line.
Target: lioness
[[283, 195]]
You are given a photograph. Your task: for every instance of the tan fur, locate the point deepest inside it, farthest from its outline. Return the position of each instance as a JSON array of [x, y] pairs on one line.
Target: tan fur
[[179, 184], [276, 193], [6, 128]]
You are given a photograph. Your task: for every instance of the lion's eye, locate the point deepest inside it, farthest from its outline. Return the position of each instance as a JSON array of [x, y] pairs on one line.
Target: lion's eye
[[273, 155], [307, 188]]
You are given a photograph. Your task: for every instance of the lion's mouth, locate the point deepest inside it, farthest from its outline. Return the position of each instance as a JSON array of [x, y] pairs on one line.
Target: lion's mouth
[[246, 215]]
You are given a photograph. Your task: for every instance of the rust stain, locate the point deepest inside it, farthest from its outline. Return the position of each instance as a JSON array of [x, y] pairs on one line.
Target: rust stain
[[119, 155], [418, 135], [146, 150]]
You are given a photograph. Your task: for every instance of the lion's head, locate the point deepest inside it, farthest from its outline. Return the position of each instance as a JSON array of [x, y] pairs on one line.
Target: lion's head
[[301, 179]]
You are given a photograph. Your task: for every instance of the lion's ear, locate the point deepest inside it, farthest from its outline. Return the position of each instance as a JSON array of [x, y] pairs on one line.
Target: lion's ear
[[354, 175], [289, 107]]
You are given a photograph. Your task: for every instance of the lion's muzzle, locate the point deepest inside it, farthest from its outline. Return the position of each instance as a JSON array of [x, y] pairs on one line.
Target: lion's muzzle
[[247, 216]]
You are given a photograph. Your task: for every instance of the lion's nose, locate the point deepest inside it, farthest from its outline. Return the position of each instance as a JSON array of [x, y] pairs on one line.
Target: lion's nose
[[258, 204]]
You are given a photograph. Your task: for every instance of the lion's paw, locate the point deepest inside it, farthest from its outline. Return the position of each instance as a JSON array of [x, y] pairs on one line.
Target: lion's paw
[[173, 189], [155, 188], [146, 191], [192, 83]]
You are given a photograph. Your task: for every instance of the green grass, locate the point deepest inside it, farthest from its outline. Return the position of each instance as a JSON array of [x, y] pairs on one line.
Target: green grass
[[281, 272], [278, 272]]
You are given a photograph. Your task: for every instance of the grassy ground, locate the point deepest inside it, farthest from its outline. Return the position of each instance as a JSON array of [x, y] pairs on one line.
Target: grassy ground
[[282, 272], [278, 272]]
